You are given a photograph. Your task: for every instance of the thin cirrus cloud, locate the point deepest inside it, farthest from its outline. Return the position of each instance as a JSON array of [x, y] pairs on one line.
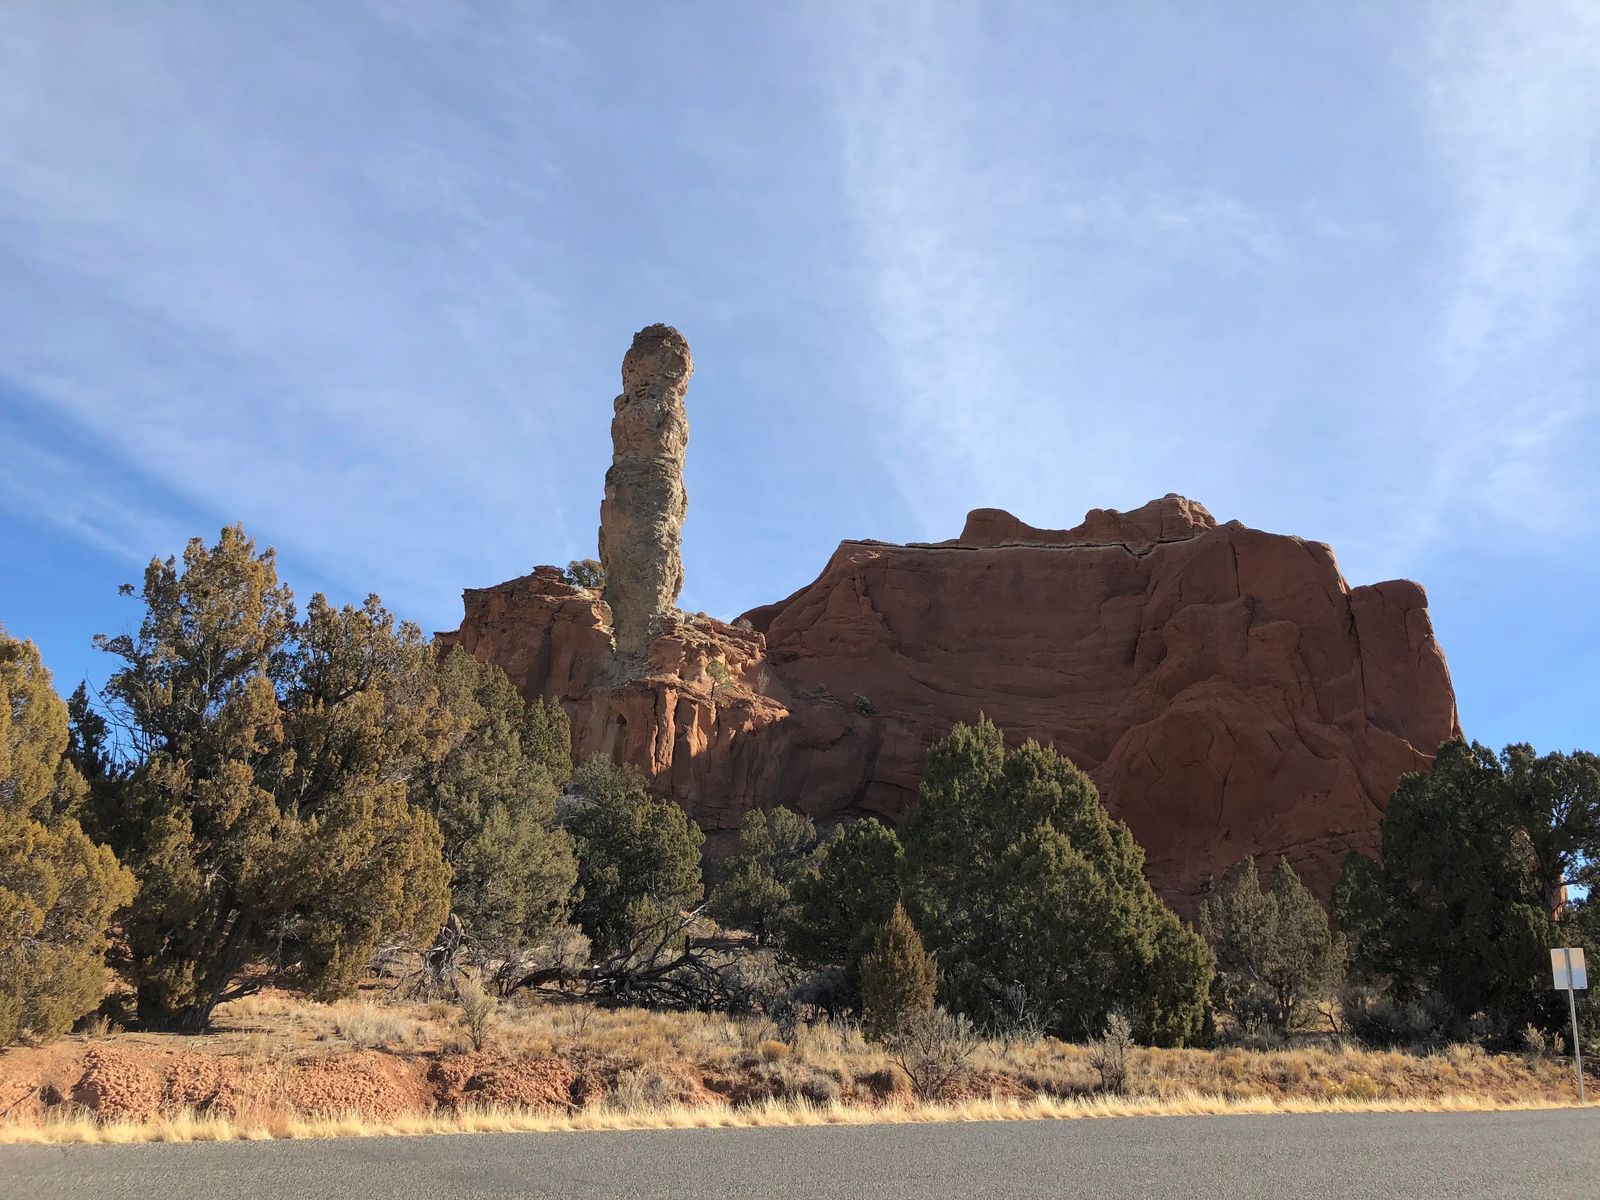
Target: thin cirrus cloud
[[1063, 322], [44, 480], [1017, 272], [207, 274], [1514, 95]]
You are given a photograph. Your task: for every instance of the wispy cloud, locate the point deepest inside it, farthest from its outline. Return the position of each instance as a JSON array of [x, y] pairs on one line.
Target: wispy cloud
[[1013, 251], [39, 479], [928, 228], [316, 239], [360, 274], [986, 236], [1514, 97], [1162, 221]]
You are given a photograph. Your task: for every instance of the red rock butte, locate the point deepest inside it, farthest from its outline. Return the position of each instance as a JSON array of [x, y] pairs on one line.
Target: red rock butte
[[1228, 691]]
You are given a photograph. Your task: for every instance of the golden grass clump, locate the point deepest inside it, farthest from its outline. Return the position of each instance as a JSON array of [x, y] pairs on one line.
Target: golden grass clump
[[377, 1027]]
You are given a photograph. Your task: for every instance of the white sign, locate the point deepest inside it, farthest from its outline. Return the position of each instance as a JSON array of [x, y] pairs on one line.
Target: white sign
[[1559, 960]]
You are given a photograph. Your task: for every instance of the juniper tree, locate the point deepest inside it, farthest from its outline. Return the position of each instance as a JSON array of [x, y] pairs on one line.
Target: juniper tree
[[1472, 892], [898, 979], [1276, 957], [266, 813], [1017, 876], [638, 857], [89, 747], [844, 895], [585, 573], [775, 846], [1309, 960], [58, 889], [493, 792]]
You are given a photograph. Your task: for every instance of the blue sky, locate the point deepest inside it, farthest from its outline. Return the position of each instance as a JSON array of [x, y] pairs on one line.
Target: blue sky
[[361, 275]]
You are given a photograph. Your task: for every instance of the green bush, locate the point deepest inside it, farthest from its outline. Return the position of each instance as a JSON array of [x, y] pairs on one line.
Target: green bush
[[585, 573], [1377, 1019], [775, 847], [1472, 891], [493, 792], [842, 898]]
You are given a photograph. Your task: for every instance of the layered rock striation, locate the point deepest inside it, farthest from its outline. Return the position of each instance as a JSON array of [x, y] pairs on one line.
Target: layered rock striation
[[1227, 689]]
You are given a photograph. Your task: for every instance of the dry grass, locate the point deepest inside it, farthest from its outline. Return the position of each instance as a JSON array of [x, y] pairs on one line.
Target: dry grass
[[188, 1126], [667, 1070], [377, 1027]]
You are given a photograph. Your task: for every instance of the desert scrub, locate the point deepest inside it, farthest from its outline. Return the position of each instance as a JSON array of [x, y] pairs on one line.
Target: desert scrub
[[785, 1080], [477, 1011], [1109, 1055], [754, 1031], [640, 1088], [934, 1048], [653, 1064], [833, 1042], [378, 1028], [651, 1086], [1289, 1072]]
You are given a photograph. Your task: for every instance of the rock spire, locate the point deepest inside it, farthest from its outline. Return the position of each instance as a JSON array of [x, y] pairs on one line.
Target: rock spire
[[641, 517]]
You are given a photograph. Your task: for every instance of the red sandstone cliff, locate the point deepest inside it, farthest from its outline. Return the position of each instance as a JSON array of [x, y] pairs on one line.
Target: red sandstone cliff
[[1226, 688]]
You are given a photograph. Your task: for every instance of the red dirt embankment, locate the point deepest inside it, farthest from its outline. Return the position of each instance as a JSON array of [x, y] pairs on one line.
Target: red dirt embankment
[[145, 1082]]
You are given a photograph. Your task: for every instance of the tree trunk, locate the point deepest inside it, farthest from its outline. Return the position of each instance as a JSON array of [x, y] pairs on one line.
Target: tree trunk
[[214, 977], [183, 1018]]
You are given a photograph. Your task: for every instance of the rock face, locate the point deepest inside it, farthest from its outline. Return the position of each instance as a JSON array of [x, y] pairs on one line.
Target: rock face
[[1227, 690], [641, 517]]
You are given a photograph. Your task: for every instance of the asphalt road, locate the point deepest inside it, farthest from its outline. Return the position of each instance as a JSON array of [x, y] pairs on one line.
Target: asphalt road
[[1528, 1156]]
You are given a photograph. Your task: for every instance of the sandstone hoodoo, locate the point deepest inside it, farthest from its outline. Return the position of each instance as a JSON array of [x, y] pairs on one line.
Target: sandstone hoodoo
[[641, 517], [1229, 692]]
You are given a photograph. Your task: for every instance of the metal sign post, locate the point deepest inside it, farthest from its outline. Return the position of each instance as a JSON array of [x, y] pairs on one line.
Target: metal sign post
[[1568, 970]]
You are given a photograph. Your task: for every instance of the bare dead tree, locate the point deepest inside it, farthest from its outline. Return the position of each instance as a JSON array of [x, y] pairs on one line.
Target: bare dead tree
[[438, 966], [663, 965]]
